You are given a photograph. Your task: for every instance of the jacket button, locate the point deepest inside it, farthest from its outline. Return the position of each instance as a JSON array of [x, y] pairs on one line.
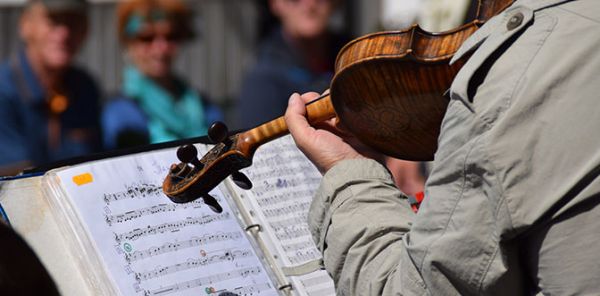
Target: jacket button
[[515, 21]]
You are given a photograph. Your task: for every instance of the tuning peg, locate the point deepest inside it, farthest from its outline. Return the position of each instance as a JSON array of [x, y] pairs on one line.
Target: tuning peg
[[189, 154], [212, 203], [218, 133], [241, 180]]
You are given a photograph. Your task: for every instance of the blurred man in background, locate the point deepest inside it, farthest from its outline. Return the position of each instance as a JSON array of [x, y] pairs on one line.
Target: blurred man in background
[[298, 55], [48, 108]]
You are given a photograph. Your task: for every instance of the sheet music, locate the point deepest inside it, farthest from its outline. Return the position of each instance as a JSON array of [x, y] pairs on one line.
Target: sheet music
[[151, 246], [284, 185], [317, 283]]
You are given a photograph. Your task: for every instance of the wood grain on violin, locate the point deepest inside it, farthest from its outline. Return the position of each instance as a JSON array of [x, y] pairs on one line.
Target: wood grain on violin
[[387, 91]]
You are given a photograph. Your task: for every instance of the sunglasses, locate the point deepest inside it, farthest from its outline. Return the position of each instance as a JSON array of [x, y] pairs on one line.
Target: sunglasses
[[149, 38]]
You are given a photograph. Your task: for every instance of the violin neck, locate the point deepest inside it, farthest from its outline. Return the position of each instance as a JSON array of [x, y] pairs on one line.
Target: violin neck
[[319, 110]]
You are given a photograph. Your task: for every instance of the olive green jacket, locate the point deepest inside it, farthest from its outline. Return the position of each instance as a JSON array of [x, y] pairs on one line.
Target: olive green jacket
[[512, 203]]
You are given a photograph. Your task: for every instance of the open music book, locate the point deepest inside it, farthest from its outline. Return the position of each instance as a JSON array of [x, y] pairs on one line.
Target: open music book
[[105, 228]]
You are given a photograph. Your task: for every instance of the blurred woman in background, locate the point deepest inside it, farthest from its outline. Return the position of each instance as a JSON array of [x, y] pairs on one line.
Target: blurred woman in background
[[155, 105]]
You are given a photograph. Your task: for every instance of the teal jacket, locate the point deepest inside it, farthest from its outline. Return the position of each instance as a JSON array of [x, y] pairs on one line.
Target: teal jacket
[[146, 113]]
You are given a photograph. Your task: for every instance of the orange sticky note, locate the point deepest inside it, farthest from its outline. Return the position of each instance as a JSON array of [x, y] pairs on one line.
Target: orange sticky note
[[83, 179]]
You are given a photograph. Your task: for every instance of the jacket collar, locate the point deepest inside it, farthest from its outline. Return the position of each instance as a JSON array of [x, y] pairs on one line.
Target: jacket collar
[[495, 25]]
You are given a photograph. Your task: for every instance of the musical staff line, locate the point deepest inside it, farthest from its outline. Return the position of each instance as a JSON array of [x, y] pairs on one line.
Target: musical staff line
[[169, 227], [134, 190], [289, 222], [203, 281], [216, 257], [281, 197], [300, 257], [176, 246], [297, 246], [291, 232], [160, 208], [246, 291], [287, 209]]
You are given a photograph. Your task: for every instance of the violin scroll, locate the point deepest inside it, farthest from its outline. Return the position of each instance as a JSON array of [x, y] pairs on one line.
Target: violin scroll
[[194, 178], [186, 182]]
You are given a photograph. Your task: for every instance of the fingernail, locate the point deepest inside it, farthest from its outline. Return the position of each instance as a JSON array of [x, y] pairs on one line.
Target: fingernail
[[292, 98]]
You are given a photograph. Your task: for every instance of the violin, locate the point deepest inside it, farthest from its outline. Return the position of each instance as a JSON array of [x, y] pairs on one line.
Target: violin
[[387, 91]]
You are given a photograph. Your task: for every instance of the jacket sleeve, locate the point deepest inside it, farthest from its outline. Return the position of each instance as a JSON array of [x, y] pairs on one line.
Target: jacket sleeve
[[358, 220]]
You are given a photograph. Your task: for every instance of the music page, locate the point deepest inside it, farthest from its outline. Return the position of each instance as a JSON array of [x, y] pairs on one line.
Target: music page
[[152, 246], [284, 183]]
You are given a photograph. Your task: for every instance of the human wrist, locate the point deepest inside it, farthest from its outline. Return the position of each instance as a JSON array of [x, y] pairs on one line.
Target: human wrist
[[357, 168]]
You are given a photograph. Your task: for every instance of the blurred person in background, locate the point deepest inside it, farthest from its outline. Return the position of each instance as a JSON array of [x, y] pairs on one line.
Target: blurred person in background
[[155, 105], [296, 56], [48, 108]]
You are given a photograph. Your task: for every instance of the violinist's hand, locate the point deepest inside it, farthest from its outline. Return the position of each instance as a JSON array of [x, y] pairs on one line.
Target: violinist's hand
[[324, 144]]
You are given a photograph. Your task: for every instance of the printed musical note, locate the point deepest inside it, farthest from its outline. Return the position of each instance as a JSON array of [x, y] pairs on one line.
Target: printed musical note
[[132, 224], [287, 209], [245, 291], [134, 190], [285, 183], [283, 197], [210, 258], [203, 281], [301, 256], [169, 227], [292, 232], [176, 246], [288, 222], [297, 246], [155, 209]]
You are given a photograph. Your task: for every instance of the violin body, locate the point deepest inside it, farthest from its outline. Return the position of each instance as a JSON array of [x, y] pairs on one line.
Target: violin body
[[390, 86], [387, 91]]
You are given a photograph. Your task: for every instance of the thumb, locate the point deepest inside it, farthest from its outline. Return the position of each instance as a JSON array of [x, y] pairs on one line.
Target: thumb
[[295, 116]]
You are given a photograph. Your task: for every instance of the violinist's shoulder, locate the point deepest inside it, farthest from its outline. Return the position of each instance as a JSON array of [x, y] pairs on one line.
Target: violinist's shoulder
[[588, 9]]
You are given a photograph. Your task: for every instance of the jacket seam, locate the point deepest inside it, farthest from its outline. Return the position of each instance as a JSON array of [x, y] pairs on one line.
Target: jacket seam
[[501, 203], [541, 42], [451, 212], [503, 200]]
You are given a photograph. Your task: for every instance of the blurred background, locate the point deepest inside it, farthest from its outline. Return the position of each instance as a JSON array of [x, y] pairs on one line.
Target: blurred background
[[229, 32]]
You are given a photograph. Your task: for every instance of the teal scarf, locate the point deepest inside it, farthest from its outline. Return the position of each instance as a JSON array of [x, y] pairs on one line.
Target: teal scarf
[[169, 118]]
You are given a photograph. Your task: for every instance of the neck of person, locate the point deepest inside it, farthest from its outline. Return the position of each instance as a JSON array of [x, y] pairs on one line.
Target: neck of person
[[168, 83], [313, 50]]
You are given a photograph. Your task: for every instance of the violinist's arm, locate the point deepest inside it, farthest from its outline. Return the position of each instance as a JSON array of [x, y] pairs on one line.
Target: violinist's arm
[[363, 249]]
